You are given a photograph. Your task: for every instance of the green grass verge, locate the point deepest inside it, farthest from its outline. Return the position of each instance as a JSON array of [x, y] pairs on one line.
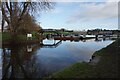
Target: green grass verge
[[107, 67], [5, 36], [75, 71], [59, 32]]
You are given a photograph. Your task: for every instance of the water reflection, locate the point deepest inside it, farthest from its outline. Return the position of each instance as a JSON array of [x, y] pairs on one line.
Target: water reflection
[[39, 60], [51, 45], [20, 62]]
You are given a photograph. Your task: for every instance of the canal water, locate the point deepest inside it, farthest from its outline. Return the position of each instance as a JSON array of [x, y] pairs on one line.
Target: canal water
[[40, 60]]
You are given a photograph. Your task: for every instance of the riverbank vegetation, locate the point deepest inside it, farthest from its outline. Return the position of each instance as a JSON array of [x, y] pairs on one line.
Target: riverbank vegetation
[[20, 18], [7, 36], [58, 32], [106, 67]]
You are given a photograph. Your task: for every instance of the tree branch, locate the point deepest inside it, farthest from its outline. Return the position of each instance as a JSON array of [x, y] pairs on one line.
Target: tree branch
[[4, 15], [24, 10], [11, 8], [7, 6]]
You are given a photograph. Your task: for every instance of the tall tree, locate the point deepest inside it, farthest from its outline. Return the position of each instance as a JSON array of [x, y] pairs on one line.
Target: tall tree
[[28, 24], [14, 12], [3, 22]]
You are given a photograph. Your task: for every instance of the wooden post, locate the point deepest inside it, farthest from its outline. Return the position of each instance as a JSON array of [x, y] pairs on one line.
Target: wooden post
[[96, 37]]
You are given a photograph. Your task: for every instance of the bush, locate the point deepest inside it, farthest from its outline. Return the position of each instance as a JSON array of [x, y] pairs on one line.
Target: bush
[[6, 36]]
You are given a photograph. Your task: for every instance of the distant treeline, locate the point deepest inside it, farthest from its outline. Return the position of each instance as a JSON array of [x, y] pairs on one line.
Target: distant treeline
[[104, 31]]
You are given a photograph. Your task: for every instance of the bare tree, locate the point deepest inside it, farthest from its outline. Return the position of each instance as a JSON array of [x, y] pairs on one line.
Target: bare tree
[[3, 22], [14, 12], [28, 24]]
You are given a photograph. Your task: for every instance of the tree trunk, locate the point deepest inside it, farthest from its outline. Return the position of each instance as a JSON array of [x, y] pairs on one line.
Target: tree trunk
[[3, 21]]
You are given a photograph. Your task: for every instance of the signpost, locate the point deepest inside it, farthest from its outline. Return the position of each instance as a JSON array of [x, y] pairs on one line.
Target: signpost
[[29, 36]]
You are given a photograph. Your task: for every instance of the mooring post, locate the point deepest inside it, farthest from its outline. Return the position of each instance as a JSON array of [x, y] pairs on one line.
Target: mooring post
[[96, 37]]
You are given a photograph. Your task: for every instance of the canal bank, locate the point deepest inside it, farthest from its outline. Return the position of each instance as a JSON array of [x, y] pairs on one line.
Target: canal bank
[[9, 42], [106, 66], [7, 39]]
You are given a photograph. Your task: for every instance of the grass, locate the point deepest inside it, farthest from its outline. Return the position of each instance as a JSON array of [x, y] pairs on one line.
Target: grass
[[21, 37], [59, 32], [107, 67], [75, 71], [0, 36], [5, 36]]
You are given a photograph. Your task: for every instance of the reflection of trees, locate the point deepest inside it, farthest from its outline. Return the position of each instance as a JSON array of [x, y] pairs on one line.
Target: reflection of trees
[[18, 63]]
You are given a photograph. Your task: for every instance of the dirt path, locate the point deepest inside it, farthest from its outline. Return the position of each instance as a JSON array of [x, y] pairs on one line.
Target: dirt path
[[95, 60]]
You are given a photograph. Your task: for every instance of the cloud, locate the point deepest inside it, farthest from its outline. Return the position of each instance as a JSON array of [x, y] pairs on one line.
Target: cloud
[[83, 0], [106, 24], [94, 12], [113, 0], [56, 11]]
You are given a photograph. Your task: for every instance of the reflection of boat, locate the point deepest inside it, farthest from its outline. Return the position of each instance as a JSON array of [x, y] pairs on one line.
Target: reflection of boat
[[68, 38]]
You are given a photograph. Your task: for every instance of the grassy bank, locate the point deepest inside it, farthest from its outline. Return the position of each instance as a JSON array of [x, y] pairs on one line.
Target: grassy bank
[[107, 67], [58, 32], [6, 38]]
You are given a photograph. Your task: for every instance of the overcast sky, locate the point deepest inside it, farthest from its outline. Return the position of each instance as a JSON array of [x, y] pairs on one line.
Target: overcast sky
[[81, 15]]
